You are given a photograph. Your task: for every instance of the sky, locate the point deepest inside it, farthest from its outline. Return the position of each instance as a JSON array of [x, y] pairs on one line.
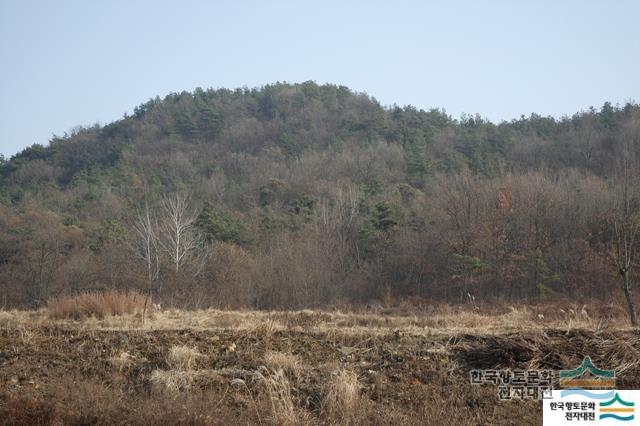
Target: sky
[[68, 63]]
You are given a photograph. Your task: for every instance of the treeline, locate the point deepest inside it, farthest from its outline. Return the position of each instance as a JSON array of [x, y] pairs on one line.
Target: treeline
[[300, 195]]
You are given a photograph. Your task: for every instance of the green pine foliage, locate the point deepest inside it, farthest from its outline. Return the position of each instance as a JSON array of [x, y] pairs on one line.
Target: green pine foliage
[[374, 195], [223, 226]]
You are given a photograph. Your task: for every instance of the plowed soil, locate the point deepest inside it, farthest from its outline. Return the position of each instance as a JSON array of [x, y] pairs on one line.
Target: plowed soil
[[63, 374]]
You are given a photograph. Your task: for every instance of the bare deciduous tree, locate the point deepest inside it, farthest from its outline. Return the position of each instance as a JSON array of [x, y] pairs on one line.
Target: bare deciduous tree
[[625, 245], [626, 224], [145, 243], [178, 236]]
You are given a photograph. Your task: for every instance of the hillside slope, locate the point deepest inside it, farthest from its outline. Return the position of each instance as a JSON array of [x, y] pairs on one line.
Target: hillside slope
[[307, 195]]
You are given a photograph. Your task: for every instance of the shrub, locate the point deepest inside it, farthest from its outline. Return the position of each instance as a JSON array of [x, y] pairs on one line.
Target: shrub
[[98, 304]]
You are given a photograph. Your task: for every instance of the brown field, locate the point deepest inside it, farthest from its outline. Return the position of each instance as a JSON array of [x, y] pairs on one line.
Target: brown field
[[307, 367]]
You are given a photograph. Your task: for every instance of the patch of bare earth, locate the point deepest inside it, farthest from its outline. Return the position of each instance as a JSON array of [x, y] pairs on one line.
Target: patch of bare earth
[[215, 367]]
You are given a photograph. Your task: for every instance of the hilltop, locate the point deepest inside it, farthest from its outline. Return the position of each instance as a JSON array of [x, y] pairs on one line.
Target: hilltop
[[314, 195]]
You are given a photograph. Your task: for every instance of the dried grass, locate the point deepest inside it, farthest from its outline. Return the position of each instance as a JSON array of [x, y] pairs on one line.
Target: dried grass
[[286, 362], [81, 401], [341, 345], [123, 361], [181, 375], [437, 320], [171, 380], [283, 408], [97, 304], [343, 402], [182, 358]]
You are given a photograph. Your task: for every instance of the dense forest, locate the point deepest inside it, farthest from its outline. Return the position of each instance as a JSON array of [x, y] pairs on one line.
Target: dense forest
[[307, 195]]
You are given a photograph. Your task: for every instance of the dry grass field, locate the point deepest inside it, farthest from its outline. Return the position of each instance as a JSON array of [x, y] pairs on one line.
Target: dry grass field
[[288, 368]]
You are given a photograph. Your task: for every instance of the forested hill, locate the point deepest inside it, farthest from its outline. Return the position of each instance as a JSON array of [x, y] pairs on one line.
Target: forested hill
[[308, 195], [186, 137]]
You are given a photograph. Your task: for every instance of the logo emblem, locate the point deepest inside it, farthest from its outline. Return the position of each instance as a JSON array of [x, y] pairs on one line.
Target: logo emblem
[[587, 375], [617, 408]]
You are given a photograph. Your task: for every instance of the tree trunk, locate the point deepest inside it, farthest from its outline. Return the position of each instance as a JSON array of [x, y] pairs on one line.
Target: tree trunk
[[631, 304]]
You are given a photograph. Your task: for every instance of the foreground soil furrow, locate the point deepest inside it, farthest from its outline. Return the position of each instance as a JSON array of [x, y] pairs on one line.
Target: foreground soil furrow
[[77, 375]]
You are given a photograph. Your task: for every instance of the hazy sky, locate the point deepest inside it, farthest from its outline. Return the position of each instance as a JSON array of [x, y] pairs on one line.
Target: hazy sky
[[65, 63]]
